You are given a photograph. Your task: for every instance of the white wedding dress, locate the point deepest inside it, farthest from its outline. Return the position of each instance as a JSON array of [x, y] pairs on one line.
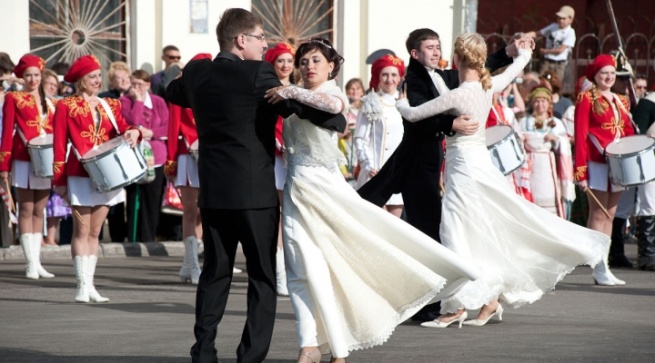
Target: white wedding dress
[[521, 249], [354, 271]]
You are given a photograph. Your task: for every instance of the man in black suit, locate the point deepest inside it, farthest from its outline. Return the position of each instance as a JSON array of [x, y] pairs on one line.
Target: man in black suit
[[414, 168], [238, 200]]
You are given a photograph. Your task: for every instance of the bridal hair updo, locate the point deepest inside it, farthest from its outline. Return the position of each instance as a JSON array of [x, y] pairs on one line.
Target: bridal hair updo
[[325, 47], [472, 52]]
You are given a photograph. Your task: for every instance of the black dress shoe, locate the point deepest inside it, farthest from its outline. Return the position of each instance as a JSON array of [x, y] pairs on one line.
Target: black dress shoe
[[619, 262]]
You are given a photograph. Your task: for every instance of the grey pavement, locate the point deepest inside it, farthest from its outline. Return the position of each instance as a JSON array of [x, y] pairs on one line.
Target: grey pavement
[[150, 318]]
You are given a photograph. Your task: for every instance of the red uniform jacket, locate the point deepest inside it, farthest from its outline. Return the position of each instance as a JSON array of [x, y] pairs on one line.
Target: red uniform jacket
[[180, 122], [605, 128], [20, 110], [74, 121], [279, 141]]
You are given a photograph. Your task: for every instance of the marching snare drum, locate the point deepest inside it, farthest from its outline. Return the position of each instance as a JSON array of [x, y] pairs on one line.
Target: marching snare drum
[[505, 149], [114, 164], [42, 155], [631, 160], [193, 150]]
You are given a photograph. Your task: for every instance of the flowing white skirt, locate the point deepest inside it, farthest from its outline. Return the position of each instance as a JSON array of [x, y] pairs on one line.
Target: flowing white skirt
[[521, 249], [355, 271]]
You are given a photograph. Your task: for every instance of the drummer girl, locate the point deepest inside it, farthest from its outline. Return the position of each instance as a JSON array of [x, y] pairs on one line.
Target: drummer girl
[[600, 118], [29, 113], [87, 121]]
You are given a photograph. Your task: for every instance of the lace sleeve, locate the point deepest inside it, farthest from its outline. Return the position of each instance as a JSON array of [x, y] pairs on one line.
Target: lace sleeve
[[320, 101], [436, 106], [501, 81]]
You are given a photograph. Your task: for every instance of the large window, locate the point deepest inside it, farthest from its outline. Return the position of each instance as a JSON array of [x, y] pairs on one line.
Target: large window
[[63, 30], [295, 21]]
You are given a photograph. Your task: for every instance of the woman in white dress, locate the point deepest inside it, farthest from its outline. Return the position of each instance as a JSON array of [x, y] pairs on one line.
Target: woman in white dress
[[379, 127], [549, 170], [522, 250], [354, 271]]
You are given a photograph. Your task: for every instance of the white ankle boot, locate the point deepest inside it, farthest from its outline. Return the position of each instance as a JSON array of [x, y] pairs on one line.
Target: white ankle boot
[[82, 295], [37, 238], [602, 274], [281, 273], [190, 270], [89, 272], [28, 250]]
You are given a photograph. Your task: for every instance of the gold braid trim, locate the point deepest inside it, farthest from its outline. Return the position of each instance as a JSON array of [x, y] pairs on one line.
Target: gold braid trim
[[580, 172]]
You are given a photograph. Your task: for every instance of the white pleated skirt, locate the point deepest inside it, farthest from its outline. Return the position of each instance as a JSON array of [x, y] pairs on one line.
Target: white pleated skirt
[[187, 172], [23, 177], [82, 192]]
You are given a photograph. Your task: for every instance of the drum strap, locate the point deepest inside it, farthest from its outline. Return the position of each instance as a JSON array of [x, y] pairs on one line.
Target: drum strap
[[110, 114], [596, 143], [51, 106], [618, 101]]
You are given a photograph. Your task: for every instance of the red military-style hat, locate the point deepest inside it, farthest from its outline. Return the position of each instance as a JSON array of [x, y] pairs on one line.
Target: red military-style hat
[[278, 50], [599, 62], [202, 56], [383, 62], [81, 67], [26, 61]]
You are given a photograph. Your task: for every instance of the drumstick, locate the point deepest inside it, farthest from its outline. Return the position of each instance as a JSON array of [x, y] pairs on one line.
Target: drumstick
[[77, 214], [11, 199], [598, 202]]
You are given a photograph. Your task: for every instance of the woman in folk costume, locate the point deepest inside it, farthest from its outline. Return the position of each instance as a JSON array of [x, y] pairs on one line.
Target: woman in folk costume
[[522, 250], [379, 127], [354, 271], [601, 117], [549, 167], [27, 116], [86, 121], [281, 57], [182, 169]]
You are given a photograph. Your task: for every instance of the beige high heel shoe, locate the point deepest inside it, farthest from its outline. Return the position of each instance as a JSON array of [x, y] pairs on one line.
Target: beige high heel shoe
[[436, 323], [477, 322], [311, 356]]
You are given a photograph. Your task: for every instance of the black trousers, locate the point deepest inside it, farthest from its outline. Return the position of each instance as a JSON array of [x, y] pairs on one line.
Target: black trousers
[[117, 225], [256, 229], [147, 218]]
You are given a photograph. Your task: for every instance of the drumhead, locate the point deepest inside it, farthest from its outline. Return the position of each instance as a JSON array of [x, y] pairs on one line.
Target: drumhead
[[629, 144], [45, 140], [103, 148], [497, 133]]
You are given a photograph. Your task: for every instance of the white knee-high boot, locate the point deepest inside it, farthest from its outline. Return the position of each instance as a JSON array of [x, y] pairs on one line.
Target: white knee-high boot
[[37, 238], [281, 273], [28, 250], [89, 272], [190, 270], [79, 263]]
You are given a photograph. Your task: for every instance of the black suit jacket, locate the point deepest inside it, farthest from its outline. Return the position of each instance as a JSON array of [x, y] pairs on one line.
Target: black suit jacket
[[236, 128], [416, 163], [644, 114]]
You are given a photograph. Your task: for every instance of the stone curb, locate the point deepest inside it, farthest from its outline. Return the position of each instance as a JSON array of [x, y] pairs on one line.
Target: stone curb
[[146, 249]]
